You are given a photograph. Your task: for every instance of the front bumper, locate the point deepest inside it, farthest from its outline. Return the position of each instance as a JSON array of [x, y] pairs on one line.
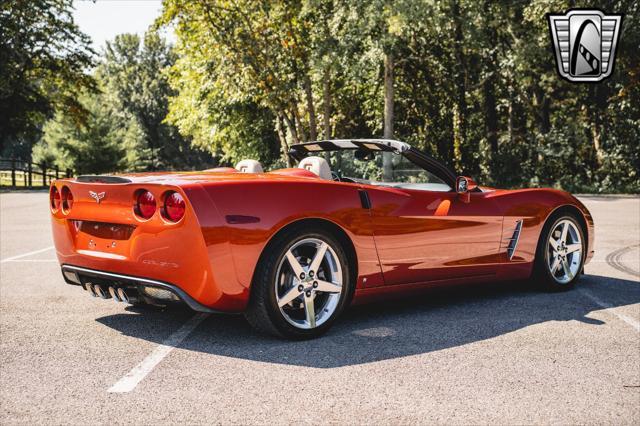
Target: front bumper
[[76, 275]]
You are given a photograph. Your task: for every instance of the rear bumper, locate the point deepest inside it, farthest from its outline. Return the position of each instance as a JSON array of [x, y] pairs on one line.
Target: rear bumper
[[192, 256], [77, 275]]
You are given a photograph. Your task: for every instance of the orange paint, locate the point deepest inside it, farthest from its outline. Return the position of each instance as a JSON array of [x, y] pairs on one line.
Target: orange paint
[[443, 208]]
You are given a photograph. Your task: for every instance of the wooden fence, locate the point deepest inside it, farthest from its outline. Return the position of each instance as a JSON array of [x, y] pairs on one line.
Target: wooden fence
[[16, 173]]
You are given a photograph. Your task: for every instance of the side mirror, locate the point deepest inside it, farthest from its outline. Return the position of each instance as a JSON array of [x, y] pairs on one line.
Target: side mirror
[[464, 186]]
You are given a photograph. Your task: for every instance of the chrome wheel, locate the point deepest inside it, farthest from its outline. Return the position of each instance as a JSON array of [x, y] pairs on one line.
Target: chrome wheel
[[564, 251], [308, 283]]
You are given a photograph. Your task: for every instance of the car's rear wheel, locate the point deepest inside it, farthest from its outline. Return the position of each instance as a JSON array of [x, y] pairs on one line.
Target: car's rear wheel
[[301, 285], [560, 254]]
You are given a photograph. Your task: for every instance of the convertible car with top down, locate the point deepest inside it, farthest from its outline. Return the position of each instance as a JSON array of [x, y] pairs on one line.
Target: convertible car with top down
[[292, 248]]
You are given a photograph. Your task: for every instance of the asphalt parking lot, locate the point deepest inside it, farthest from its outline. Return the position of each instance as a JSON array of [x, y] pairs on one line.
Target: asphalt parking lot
[[502, 354]]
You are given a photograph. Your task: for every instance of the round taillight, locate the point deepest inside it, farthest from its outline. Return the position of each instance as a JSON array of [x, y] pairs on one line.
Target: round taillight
[[174, 206], [145, 204], [54, 198], [67, 199]]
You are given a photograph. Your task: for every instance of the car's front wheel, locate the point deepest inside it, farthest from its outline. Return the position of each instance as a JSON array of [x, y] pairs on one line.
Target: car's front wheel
[[301, 284], [560, 254]]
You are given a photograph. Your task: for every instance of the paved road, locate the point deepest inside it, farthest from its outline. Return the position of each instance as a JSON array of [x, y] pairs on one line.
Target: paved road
[[495, 354]]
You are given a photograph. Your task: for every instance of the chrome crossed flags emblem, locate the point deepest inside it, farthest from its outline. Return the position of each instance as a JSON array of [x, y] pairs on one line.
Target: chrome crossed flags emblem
[[98, 196]]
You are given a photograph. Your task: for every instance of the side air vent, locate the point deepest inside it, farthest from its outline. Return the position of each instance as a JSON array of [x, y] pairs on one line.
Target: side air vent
[[102, 179], [513, 241]]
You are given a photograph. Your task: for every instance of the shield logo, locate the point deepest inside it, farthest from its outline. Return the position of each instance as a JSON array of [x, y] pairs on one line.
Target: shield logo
[[585, 43]]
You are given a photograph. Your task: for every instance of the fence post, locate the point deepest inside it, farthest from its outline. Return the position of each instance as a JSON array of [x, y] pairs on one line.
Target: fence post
[[24, 177], [57, 172], [44, 174], [13, 172], [30, 171], [68, 173]]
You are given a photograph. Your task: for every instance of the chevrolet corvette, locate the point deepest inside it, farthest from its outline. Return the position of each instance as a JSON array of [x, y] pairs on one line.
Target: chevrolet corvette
[[356, 220]]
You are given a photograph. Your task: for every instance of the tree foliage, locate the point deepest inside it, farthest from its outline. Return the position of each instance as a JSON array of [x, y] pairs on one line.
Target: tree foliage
[[43, 62], [133, 74], [474, 84], [125, 128], [111, 139]]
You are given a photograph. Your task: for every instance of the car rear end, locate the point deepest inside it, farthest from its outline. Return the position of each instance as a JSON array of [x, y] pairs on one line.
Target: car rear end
[[132, 240]]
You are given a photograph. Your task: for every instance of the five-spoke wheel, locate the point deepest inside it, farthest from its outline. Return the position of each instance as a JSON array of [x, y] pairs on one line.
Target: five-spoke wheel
[[564, 255], [301, 285], [559, 259], [309, 283]]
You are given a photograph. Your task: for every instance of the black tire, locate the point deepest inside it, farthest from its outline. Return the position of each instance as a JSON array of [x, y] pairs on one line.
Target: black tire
[[542, 275], [263, 312]]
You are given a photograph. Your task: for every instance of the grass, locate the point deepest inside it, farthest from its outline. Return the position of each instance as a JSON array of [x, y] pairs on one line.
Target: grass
[[21, 178]]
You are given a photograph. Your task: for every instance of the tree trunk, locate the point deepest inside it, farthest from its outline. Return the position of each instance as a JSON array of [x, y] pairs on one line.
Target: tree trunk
[[326, 106], [298, 124], [460, 109], [292, 131], [387, 167], [543, 121], [311, 109], [491, 116], [510, 118], [488, 88], [598, 95], [284, 146]]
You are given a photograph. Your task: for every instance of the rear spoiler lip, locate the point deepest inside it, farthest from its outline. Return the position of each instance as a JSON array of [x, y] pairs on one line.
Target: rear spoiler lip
[[102, 179]]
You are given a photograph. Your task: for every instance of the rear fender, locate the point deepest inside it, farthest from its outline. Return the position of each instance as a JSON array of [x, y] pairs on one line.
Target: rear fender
[[251, 214]]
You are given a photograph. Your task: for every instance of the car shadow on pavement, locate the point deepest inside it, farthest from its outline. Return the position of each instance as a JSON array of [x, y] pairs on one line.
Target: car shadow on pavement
[[434, 321]]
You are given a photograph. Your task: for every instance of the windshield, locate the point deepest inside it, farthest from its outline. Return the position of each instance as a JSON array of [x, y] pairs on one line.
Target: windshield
[[350, 165]]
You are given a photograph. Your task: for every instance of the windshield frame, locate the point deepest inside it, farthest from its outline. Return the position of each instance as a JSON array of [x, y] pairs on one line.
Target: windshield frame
[[415, 156]]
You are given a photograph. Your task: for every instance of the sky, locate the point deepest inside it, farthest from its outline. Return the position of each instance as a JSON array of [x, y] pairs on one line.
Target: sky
[[102, 20]]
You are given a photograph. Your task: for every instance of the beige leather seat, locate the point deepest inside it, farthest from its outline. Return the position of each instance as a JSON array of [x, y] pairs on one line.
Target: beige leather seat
[[249, 166], [318, 166]]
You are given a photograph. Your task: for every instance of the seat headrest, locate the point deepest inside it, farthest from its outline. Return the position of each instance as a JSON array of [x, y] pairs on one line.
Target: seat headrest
[[249, 166], [316, 165]]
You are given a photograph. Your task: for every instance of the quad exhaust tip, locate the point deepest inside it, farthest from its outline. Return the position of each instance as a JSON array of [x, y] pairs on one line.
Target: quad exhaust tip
[[122, 295], [114, 294], [96, 290], [89, 287], [99, 291], [119, 294]]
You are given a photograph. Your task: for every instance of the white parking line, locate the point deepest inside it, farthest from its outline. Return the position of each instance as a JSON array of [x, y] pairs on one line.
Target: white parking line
[[11, 259], [631, 321], [32, 260], [140, 371]]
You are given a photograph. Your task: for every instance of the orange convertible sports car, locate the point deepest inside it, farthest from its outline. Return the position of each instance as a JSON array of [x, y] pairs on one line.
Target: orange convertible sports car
[[292, 248]]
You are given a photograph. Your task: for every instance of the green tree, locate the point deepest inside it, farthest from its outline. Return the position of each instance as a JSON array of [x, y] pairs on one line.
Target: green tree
[[242, 53], [125, 128], [133, 74], [43, 62], [111, 139]]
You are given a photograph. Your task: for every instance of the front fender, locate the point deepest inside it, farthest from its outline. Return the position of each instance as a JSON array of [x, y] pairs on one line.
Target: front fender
[[534, 207]]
